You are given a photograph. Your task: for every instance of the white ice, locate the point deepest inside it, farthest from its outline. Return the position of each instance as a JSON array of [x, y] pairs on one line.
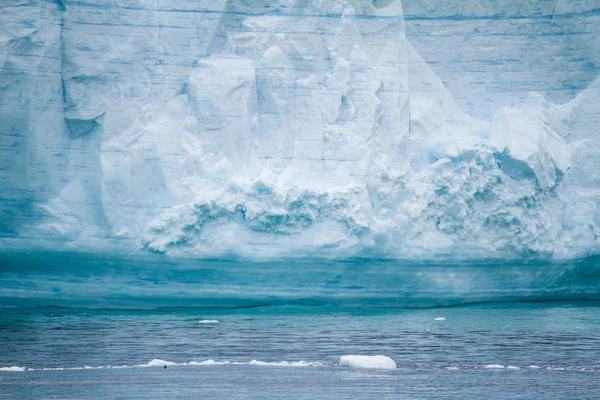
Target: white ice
[[367, 362], [12, 369], [159, 363], [226, 128]]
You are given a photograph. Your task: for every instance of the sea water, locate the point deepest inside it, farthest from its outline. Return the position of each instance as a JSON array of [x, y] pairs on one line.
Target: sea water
[[88, 326], [494, 350]]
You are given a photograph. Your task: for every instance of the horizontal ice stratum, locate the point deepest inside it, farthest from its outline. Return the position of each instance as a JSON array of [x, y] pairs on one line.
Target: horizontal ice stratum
[[288, 128]]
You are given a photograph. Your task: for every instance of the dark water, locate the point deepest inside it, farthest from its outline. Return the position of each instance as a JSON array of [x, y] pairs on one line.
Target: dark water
[[552, 349]]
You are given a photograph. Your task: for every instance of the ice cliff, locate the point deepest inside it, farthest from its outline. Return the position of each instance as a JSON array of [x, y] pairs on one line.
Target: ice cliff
[[334, 128]]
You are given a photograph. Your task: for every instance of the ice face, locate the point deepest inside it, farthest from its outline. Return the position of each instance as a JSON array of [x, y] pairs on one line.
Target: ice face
[[493, 53], [289, 128]]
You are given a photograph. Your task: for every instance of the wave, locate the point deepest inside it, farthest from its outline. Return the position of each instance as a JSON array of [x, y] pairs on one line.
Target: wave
[[14, 368], [348, 361], [166, 364]]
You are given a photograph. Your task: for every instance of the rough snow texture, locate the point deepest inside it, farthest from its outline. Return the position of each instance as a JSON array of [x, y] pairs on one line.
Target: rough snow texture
[[287, 128]]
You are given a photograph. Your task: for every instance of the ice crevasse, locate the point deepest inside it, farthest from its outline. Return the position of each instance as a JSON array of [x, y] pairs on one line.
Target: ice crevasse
[[283, 128]]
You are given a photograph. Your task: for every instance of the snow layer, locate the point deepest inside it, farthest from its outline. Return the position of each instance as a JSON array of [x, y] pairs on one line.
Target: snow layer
[[287, 128]]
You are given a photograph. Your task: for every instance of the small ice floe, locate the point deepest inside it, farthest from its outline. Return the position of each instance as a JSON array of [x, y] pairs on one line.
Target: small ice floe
[[285, 363], [439, 319], [159, 363], [261, 363], [367, 362], [209, 362], [209, 321], [494, 366], [12, 369]]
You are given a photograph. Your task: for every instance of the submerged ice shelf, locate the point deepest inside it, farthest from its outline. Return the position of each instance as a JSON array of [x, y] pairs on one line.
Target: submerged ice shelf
[[97, 281], [269, 129]]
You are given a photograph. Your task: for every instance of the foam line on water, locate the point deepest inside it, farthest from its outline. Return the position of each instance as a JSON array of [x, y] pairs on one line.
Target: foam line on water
[[14, 368], [352, 361]]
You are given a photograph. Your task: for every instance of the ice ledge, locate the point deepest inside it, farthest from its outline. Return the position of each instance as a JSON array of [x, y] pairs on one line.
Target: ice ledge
[[63, 279]]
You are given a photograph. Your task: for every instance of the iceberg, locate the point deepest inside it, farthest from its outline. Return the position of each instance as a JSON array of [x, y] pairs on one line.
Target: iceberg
[[273, 129]]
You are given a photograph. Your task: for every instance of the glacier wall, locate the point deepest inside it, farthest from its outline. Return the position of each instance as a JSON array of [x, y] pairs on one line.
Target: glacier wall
[[491, 53], [334, 128]]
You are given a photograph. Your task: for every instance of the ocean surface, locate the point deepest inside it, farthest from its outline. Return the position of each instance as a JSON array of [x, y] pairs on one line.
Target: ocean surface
[[504, 350]]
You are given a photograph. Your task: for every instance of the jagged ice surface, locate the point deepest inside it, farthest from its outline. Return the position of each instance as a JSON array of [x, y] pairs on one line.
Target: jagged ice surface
[[289, 128]]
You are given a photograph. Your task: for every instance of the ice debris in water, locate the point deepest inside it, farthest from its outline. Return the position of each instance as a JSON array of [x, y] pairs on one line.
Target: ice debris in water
[[367, 362], [284, 363], [208, 362], [12, 369], [160, 363]]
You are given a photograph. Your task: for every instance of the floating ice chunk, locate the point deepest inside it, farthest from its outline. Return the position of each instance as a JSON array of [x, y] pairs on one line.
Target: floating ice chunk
[[209, 321], [261, 363], [159, 363], [12, 369], [494, 366], [284, 363], [367, 362], [209, 362], [439, 319]]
